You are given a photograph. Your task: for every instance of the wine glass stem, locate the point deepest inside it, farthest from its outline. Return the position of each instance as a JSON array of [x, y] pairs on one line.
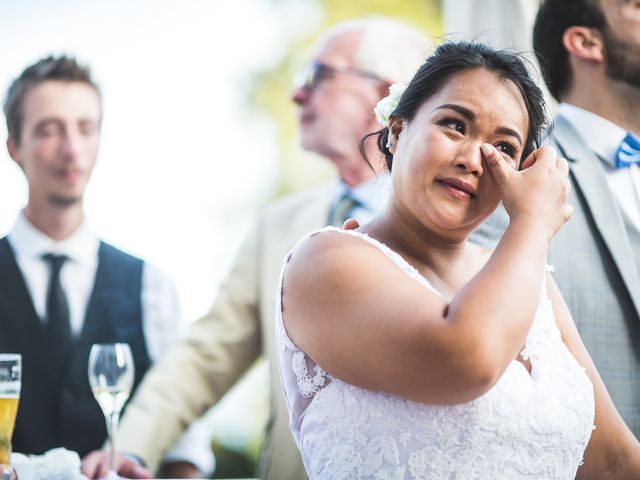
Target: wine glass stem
[[112, 427]]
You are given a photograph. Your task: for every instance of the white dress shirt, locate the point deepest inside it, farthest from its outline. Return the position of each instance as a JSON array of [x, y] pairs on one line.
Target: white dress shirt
[[371, 195], [603, 138], [160, 306]]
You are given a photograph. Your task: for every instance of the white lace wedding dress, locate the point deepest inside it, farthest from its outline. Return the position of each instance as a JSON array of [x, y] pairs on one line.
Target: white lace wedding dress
[[528, 426]]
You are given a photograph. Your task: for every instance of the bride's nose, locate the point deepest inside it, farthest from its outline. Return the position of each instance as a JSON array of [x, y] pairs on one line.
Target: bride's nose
[[469, 158]]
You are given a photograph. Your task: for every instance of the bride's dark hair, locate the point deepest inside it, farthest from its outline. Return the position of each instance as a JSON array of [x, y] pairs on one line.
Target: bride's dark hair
[[451, 58]]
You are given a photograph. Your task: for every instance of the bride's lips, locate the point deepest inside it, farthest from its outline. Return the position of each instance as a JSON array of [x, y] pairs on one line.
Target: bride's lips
[[457, 187]]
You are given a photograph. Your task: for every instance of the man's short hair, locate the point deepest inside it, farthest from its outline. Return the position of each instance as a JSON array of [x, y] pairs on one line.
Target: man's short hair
[[553, 19], [62, 68]]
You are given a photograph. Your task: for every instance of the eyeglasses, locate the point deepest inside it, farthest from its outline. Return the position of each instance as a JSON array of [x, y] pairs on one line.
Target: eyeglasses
[[310, 77]]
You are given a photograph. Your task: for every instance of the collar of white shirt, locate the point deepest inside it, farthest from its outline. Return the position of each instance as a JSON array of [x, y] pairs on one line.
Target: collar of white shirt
[[599, 134], [370, 194], [604, 137], [29, 242]]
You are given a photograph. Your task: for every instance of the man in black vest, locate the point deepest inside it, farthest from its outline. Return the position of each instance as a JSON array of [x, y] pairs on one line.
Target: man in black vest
[[61, 288]]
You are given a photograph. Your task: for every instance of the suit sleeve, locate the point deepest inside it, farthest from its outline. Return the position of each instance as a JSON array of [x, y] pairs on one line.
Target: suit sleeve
[[489, 233], [196, 373], [162, 318]]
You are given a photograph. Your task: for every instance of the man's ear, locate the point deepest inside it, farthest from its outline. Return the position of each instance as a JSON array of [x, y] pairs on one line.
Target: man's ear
[[396, 124], [383, 88], [585, 43], [13, 150]]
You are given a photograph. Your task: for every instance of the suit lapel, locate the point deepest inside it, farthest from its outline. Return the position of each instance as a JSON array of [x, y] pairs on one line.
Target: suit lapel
[[15, 296], [314, 215], [590, 180]]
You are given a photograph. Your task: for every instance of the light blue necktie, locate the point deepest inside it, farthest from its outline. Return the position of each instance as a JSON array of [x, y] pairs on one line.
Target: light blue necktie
[[629, 151]]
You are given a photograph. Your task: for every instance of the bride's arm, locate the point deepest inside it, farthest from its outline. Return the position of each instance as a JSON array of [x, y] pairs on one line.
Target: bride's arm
[[361, 318], [613, 451], [367, 322]]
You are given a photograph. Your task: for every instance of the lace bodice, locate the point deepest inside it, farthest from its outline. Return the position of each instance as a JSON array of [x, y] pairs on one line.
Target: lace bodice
[[528, 426]]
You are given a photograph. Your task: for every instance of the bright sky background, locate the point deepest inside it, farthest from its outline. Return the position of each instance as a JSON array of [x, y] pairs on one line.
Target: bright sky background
[[184, 164]]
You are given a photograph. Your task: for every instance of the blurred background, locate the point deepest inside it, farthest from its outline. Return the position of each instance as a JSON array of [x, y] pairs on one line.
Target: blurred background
[[198, 134]]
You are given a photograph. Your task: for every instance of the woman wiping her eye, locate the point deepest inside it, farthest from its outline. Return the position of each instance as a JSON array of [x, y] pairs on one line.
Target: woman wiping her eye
[[407, 352]]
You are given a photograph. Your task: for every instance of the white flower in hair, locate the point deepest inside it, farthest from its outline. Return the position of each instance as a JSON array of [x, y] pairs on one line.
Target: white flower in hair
[[388, 104]]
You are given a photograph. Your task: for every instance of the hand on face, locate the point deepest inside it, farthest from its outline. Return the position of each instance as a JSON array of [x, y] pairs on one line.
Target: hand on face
[[538, 191]]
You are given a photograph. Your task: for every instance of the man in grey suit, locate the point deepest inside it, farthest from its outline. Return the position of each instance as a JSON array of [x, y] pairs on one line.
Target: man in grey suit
[[351, 69], [589, 51]]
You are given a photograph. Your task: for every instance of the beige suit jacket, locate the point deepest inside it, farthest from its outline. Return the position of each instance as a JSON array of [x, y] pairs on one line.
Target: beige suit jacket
[[195, 374]]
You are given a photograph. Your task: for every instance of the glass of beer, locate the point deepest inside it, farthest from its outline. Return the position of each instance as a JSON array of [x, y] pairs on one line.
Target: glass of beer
[[10, 378]]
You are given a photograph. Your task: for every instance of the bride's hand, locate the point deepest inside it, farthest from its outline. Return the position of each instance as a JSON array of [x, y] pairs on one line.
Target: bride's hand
[[538, 192]]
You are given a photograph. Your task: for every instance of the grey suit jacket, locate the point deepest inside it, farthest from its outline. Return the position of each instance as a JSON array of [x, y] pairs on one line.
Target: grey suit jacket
[[596, 269], [221, 346], [597, 272]]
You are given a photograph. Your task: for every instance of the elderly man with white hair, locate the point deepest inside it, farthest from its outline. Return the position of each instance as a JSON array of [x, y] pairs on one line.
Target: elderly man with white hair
[[351, 69]]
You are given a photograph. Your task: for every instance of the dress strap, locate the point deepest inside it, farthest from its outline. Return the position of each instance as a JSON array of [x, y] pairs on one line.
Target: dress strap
[[393, 256]]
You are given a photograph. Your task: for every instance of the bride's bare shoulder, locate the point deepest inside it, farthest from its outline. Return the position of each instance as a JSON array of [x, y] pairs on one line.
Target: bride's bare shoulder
[[334, 254], [327, 245]]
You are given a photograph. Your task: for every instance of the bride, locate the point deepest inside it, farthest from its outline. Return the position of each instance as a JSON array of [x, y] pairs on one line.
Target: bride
[[407, 352]]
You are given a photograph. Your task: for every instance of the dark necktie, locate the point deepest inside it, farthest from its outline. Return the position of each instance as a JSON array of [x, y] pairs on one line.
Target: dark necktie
[[342, 209], [58, 324]]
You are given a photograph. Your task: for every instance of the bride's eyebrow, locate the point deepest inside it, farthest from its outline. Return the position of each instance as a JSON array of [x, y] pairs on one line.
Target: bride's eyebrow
[[510, 132], [465, 112]]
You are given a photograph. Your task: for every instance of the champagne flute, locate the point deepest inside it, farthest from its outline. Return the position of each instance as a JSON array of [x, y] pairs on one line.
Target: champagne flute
[[10, 382], [111, 373]]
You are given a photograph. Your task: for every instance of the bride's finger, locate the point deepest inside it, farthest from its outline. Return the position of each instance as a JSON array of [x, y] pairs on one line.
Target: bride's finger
[[541, 153], [568, 211], [562, 165]]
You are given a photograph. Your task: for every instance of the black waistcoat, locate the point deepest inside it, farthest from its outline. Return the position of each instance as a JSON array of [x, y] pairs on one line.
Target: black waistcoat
[[57, 407]]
